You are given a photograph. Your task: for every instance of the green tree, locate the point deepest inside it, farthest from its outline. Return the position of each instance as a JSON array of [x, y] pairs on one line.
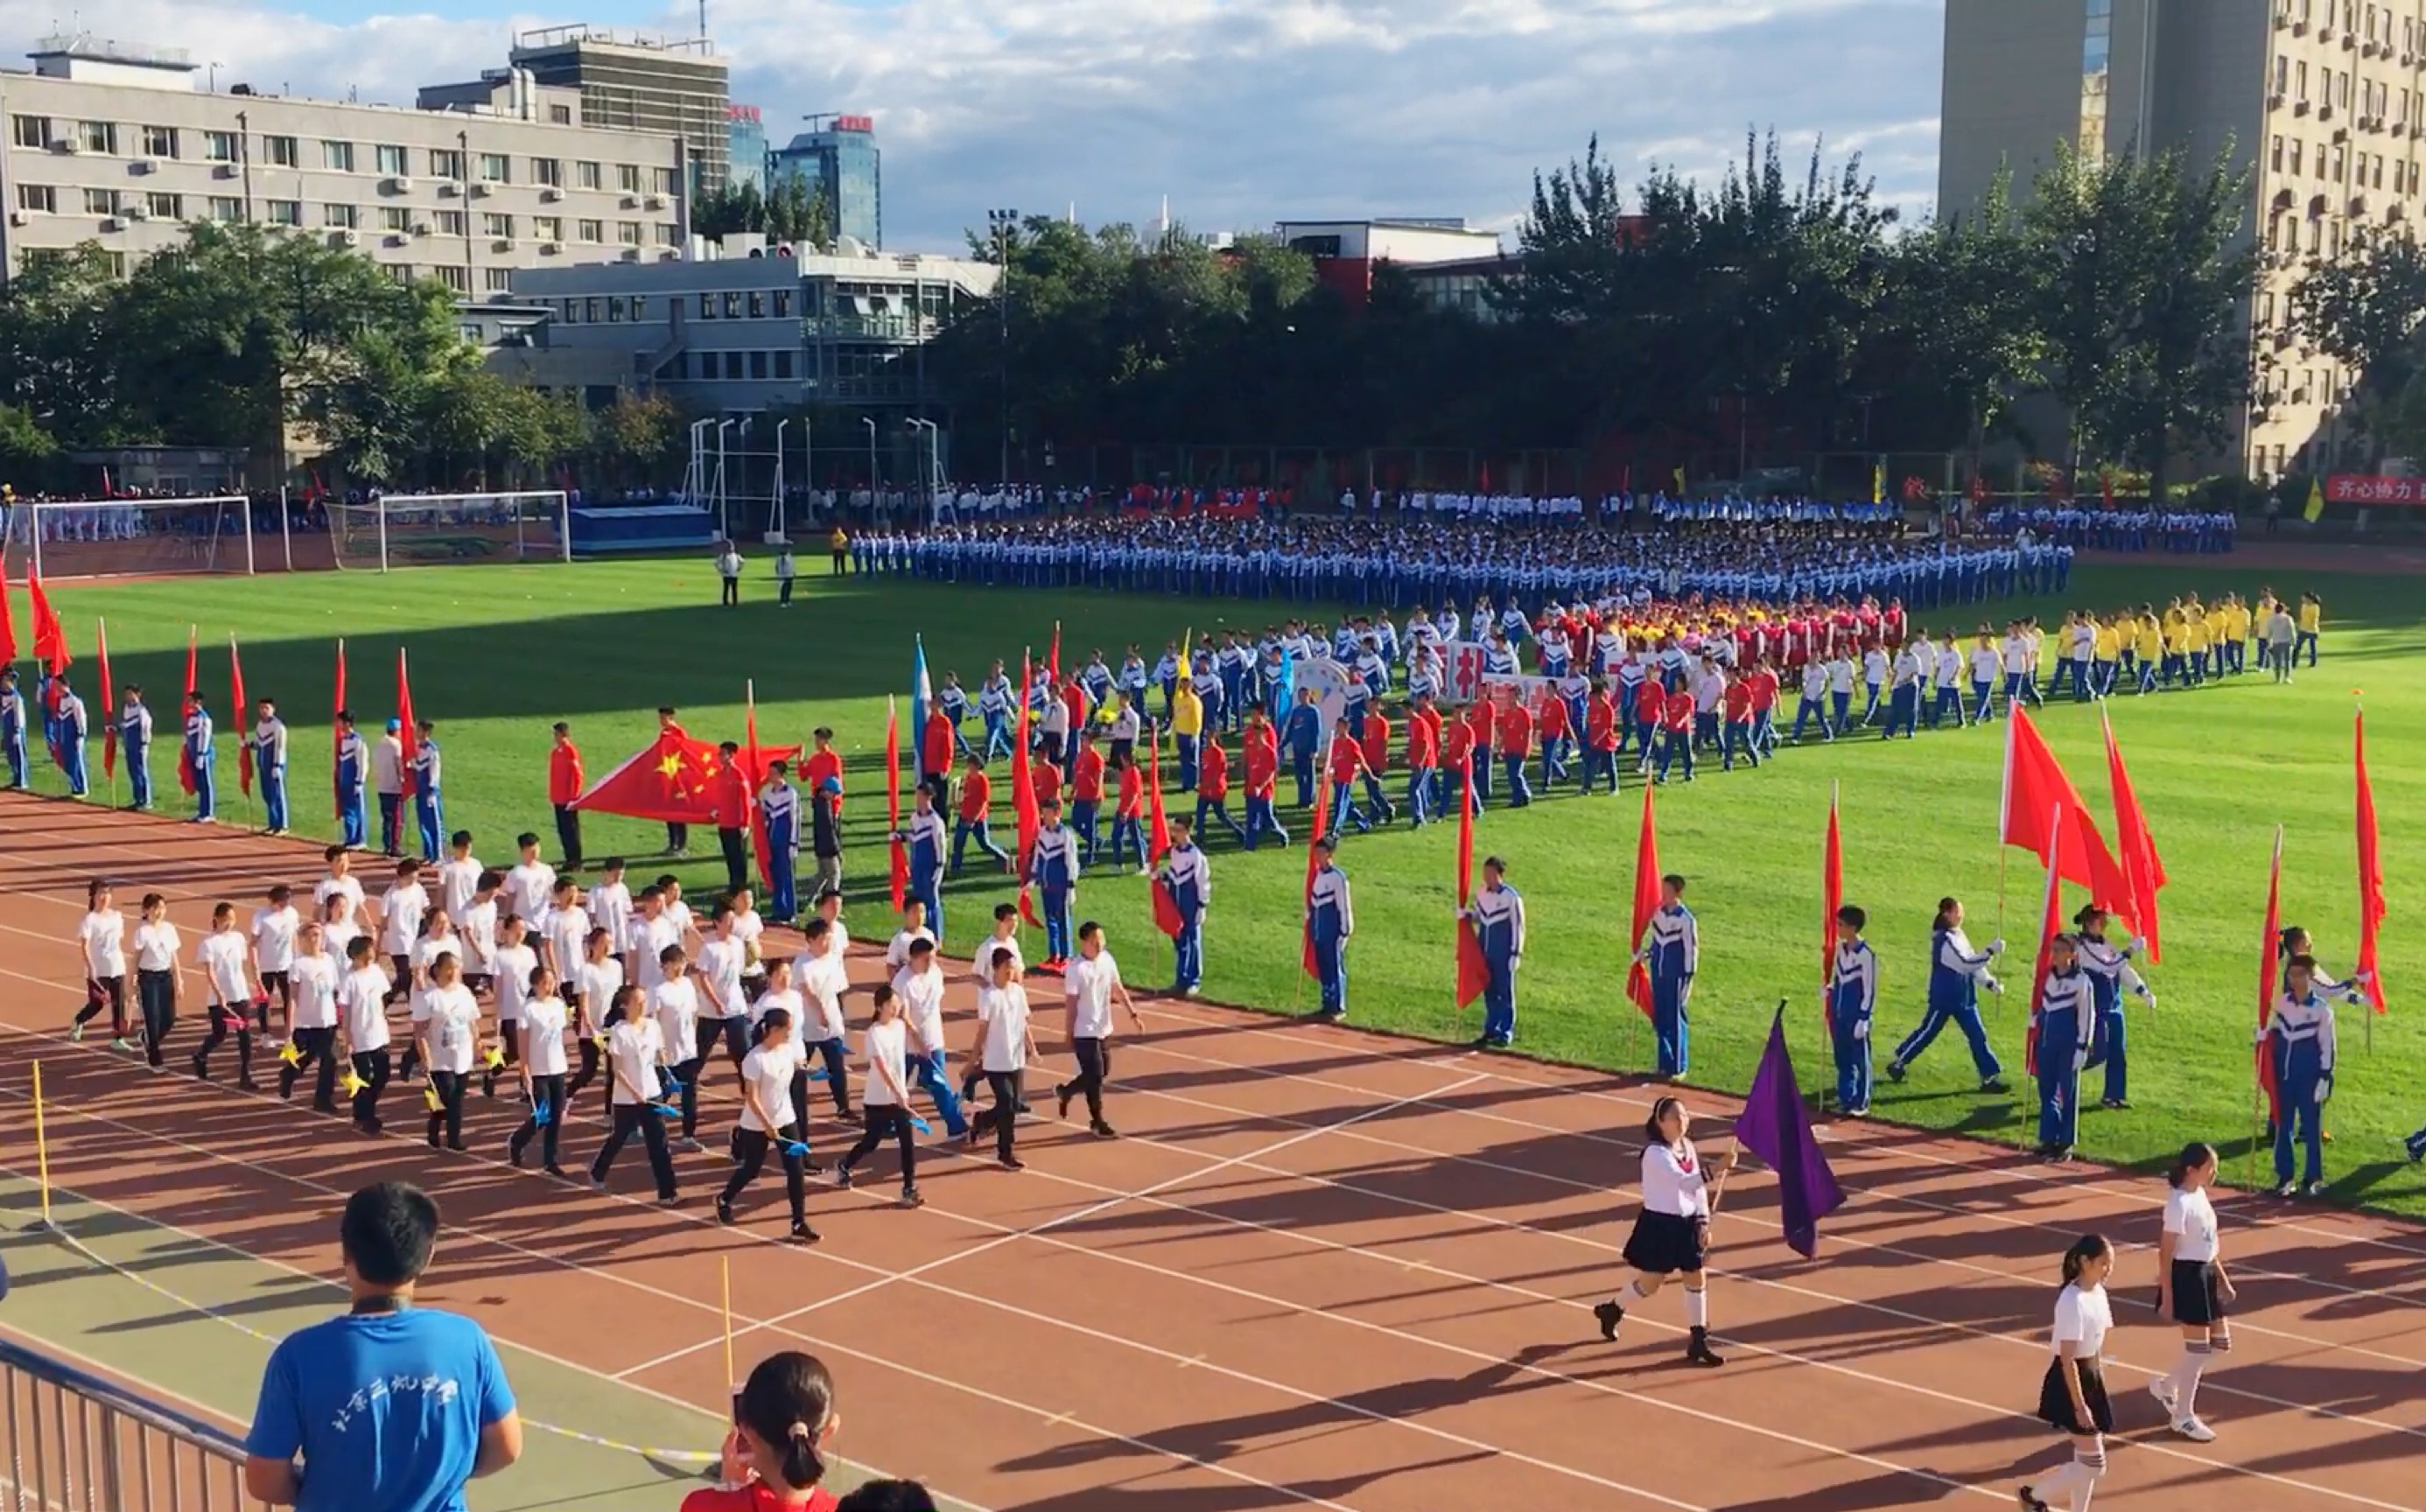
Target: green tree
[[2363, 309], [1964, 299], [797, 212], [61, 359]]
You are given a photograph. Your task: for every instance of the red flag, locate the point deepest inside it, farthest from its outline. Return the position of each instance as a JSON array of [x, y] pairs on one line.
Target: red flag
[[2269, 956], [236, 705], [1023, 792], [2144, 873], [7, 618], [754, 764], [108, 702], [410, 728], [1158, 823], [670, 780], [1053, 660], [1832, 897], [2371, 868], [1473, 972], [184, 752], [1646, 901], [2050, 925], [336, 736], [1314, 864], [50, 636], [893, 803], [2039, 802]]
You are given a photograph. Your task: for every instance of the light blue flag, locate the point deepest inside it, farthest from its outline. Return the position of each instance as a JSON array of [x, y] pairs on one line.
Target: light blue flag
[[922, 693]]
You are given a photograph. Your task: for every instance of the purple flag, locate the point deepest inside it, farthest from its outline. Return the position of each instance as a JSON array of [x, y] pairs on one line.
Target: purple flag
[[1776, 1127]]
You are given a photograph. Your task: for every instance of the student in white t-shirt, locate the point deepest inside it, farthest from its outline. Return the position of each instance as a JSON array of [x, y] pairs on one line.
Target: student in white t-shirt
[[459, 875], [820, 976], [438, 937], [769, 1119], [530, 882], [225, 963], [311, 1020], [273, 930], [450, 1047], [673, 1004], [102, 933], [401, 915], [1003, 1046], [646, 935], [341, 878], [543, 1023], [2193, 1288], [1093, 982], [562, 934], [588, 990], [920, 987], [515, 962], [1005, 937], [362, 1011], [159, 974], [477, 925], [751, 930], [884, 1059], [634, 1050], [913, 929], [2072, 1395], [724, 1010]]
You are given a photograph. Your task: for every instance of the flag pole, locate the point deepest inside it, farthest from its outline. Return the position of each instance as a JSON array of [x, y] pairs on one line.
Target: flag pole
[[110, 716], [243, 744], [2359, 715]]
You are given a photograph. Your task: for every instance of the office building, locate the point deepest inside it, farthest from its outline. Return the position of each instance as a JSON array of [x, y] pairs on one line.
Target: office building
[[115, 145], [750, 328], [746, 139], [840, 158], [2323, 101], [1344, 252], [663, 86]]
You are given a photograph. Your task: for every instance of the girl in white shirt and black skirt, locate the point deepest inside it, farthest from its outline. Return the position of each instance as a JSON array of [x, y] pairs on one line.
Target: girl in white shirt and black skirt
[[1673, 1235], [103, 934], [2072, 1394], [2191, 1288]]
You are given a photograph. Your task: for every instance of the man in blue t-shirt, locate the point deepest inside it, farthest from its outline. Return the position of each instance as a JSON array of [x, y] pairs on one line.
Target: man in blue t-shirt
[[390, 1407]]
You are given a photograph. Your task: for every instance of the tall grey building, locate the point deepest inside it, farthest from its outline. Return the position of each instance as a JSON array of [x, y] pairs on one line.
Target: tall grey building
[[2323, 101], [675, 87]]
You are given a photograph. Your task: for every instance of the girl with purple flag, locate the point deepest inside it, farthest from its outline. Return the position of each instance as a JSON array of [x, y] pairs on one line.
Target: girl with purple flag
[[1672, 1237]]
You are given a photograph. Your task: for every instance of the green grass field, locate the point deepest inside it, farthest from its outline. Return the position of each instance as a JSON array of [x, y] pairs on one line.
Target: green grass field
[[499, 653]]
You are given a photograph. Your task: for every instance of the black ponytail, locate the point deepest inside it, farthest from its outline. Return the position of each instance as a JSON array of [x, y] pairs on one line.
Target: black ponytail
[[787, 1402], [2195, 1154], [1659, 1109], [1945, 908], [2084, 1249]]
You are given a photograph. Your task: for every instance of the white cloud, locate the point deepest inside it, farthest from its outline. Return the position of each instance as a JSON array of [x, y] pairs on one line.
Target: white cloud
[[1243, 111]]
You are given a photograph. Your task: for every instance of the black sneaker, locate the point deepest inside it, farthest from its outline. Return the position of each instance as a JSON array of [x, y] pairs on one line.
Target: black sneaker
[[1610, 1315], [1102, 1130], [1698, 1350], [245, 1084], [514, 1153], [2115, 1103], [1994, 1084], [804, 1235], [1013, 1163], [1062, 1100], [286, 1085], [1895, 1070], [724, 1212], [909, 1199], [556, 1171], [842, 1177]]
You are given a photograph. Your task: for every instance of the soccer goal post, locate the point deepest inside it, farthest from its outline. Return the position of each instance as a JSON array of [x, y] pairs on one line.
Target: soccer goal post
[[396, 530], [129, 538]]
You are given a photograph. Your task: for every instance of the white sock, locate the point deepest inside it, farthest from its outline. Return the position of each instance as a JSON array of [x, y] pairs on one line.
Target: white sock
[[1634, 1291], [2088, 1464], [1697, 1308], [2055, 1487], [2185, 1381]]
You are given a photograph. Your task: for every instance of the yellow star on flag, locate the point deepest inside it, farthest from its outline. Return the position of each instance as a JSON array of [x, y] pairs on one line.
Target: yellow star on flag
[[496, 1058], [290, 1052], [352, 1083], [671, 767]]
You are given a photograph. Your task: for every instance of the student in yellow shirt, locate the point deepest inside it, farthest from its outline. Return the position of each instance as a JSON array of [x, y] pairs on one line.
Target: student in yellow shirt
[[2195, 644], [2148, 647], [2312, 619], [2105, 648], [1187, 730]]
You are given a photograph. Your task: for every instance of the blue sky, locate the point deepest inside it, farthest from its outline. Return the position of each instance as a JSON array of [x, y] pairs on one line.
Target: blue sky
[[1242, 111]]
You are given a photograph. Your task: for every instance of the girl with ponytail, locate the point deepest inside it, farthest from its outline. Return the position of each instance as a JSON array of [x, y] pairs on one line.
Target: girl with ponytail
[[775, 1456], [2072, 1395]]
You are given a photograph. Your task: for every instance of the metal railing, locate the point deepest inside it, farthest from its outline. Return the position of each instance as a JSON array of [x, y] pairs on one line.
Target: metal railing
[[78, 1443]]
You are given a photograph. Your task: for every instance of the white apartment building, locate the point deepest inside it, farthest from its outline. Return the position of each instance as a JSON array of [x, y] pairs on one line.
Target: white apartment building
[[116, 144]]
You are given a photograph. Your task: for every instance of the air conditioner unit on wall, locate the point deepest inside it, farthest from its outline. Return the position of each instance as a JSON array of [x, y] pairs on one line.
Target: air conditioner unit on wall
[[551, 194], [397, 184], [144, 165]]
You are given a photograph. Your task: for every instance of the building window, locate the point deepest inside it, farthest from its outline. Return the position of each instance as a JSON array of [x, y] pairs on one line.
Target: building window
[[285, 212], [548, 228], [220, 145], [496, 280], [453, 276], [100, 202], [614, 309], [340, 217], [337, 157], [784, 363], [2281, 74], [496, 168], [280, 152], [708, 307], [589, 176], [2300, 79], [592, 230], [394, 217], [30, 131], [2097, 47], [758, 365], [2275, 161], [226, 209], [757, 305], [627, 233], [451, 222], [98, 137], [783, 298], [548, 172], [501, 226], [2341, 163], [732, 306], [666, 233], [159, 141], [116, 263], [41, 197], [665, 181], [165, 206], [2299, 155], [445, 163], [2266, 310], [391, 158], [596, 308], [639, 307], [627, 177], [561, 115], [569, 312]]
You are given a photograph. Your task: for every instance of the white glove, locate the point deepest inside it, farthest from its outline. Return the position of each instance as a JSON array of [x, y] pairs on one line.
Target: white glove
[[1861, 1029], [1641, 956], [2146, 995], [1514, 961], [1997, 946], [2324, 1089], [2129, 950], [2080, 1060]]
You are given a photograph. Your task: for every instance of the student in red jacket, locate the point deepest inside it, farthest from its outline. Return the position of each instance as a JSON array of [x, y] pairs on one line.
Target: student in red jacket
[[1346, 763], [736, 802], [1515, 744], [937, 750], [1479, 721], [564, 785], [1650, 714], [1129, 814], [1763, 682], [1263, 760], [1086, 795], [1213, 788], [1676, 732], [1557, 729], [1457, 752], [976, 813], [1375, 743], [1423, 758], [1600, 737]]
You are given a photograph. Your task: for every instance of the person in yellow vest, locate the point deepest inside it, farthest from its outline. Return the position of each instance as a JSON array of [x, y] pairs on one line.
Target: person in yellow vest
[[2312, 619], [839, 544], [2194, 643], [2105, 650], [2147, 647], [1187, 730], [2236, 635]]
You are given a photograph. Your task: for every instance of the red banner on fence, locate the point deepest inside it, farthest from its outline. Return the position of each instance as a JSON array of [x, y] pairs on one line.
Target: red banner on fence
[[2366, 487]]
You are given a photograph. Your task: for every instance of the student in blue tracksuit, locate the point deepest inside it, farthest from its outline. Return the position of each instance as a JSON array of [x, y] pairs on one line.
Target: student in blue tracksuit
[[2065, 1018], [928, 841], [199, 751], [134, 742], [2110, 974], [1498, 914], [1185, 871], [429, 801], [353, 766], [1053, 867], [1956, 974], [779, 810], [74, 725], [1330, 918], [1672, 950], [1853, 993], [12, 728], [1300, 740], [269, 762], [2300, 1039]]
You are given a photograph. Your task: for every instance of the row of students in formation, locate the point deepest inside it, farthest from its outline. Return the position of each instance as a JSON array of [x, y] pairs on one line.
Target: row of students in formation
[[631, 991]]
